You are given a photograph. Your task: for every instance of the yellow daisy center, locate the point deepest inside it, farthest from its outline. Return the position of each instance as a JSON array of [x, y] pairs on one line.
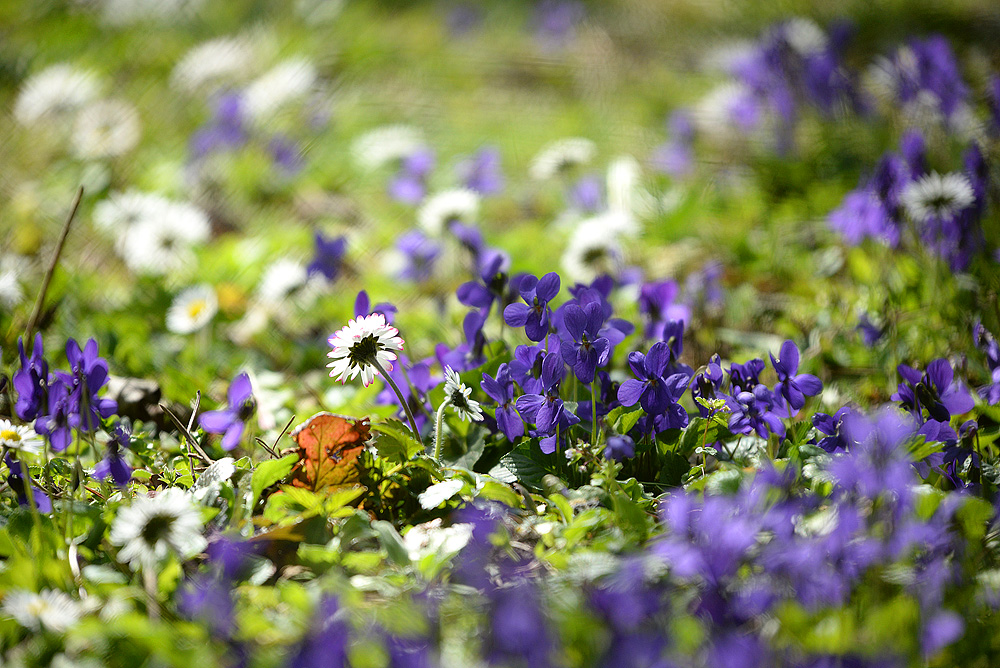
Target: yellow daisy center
[[196, 307], [9, 435]]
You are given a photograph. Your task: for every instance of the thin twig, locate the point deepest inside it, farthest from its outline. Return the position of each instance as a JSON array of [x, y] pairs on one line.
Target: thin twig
[[187, 434], [40, 302]]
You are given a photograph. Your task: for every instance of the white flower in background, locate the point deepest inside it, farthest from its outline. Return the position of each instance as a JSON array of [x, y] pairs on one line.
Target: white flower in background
[[282, 277], [154, 527], [727, 56], [804, 36], [192, 309], [593, 247], [125, 12], [161, 243], [354, 347], [561, 155], [19, 437], [105, 129], [387, 144], [726, 112], [430, 538], [626, 197], [213, 64], [286, 82], [459, 205], [457, 395], [937, 197], [272, 394], [120, 211], [12, 267], [51, 609], [55, 93]]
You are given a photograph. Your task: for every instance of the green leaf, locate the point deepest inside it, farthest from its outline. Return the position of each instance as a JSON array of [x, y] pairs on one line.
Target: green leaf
[[395, 441], [392, 542], [269, 472], [497, 491], [974, 515], [528, 471]]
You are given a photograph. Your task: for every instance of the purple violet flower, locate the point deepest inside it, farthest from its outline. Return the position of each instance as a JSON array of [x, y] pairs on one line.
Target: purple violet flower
[[231, 421], [501, 390], [793, 386], [586, 350], [329, 255], [534, 314], [935, 391], [482, 171], [30, 381], [655, 392]]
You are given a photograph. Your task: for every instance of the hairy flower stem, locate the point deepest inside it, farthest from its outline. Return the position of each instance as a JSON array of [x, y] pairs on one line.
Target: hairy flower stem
[[438, 423], [399, 395], [593, 412]]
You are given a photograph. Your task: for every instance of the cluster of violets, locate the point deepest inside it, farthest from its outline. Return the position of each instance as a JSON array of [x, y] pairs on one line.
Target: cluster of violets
[[63, 404]]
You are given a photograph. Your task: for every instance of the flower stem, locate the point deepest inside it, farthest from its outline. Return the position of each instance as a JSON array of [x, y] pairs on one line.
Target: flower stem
[[438, 423], [593, 412], [399, 395]]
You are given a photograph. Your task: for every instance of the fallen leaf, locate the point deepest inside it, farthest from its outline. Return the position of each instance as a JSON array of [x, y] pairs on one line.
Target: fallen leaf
[[328, 449]]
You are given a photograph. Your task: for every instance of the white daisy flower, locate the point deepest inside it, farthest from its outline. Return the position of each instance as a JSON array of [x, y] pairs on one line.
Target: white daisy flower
[[105, 129], [364, 339], [284, 83], [212, 64], [51, 609], [153, 527], [126, 12], [161, 243], [430, 538], [447, 207], [593, 249], [12, 267], [119, 212], [804, 36], [281, 279], [457, 394], [560, 156], [937, 197], [19, 437], [384, 145], [54, 93], [192, 309]]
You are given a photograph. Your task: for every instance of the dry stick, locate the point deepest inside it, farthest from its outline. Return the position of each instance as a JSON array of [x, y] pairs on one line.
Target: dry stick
[[37, 312], [187, 434]]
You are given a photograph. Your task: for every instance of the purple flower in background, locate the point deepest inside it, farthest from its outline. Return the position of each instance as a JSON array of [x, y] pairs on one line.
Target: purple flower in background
[[587, 194], [586, 349], [325, 644], [231, 421], [794, 386], [409, 185], [987, 343], [657, 304], [941, 629], [207, 599], [409, 378], [556, 21], [16, 482], [877, 462], [676, 157], [57, 421], [517, 634], [114, 463], [830, 427], [363, 307], [752, 412], [534, 314], [226, 131], [285, 153], [619, 448], [482, 171], [746, 376], [328, 257], [30, 381], [652, 389], [420, 254], [501, 390], [935, 391], [490, 287], [870, 334]]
